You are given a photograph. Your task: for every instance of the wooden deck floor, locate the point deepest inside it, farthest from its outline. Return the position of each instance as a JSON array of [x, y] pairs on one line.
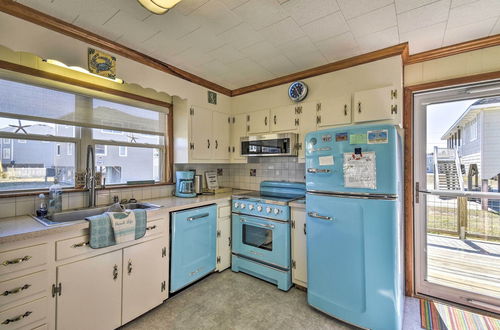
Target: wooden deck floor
[[470, 265]]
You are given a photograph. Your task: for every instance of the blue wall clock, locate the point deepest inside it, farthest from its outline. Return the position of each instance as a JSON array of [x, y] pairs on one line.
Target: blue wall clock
[[297, 91]]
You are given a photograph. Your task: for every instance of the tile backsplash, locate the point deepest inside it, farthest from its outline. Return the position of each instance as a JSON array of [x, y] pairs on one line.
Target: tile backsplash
[[16, 206], [249, 176]]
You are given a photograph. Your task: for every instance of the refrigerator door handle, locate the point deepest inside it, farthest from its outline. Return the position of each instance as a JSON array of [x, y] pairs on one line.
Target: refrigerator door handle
[[318, 170], [318, 216]]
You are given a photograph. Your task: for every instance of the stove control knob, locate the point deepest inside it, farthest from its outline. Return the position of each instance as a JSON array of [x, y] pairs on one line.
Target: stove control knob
[[250, 207], [276, 211], [242, 206], [236, 205], [268, 209], [259, 208]]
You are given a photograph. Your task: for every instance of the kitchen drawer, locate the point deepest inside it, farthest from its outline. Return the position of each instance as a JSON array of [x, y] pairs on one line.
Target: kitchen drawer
[[22, 287], [24, 258], [24, 315], [224, 211], [76, 246]]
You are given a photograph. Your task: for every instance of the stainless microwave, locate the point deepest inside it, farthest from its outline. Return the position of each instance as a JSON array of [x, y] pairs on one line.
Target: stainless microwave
[[284, 144]]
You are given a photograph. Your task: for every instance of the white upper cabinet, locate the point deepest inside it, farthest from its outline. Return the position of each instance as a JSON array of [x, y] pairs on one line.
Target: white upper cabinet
[[258, 122], [376, 104], [307, 117], [238, 130], [284, 119], [334, 111], [220, 135], [201, 145]]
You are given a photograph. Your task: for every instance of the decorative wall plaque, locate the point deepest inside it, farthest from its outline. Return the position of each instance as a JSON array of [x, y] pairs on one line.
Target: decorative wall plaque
[[212, 97], [101, 63]]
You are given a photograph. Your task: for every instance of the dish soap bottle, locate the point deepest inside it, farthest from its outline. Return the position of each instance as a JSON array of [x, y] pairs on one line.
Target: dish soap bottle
[[55, 199]]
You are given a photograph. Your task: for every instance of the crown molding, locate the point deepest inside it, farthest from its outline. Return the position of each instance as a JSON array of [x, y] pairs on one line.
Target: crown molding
[[460, 48]]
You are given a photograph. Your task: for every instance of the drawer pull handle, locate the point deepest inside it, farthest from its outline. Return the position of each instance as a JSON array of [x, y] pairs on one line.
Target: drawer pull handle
[[16, 261], [318, 170], [18, 318], [129, 267], [199, 216], [318, 216], [16, 290], [151, 227], [80, 244], [115, 272]]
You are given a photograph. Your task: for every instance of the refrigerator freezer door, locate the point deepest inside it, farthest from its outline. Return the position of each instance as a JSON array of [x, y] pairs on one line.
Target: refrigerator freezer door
[[353, 260], [325, 152]]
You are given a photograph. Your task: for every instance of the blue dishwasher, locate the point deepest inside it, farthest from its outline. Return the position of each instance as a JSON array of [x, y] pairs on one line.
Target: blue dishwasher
[[193, 245]]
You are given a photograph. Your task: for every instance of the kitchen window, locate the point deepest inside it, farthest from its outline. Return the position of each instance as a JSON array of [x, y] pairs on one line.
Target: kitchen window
[[129, 137]]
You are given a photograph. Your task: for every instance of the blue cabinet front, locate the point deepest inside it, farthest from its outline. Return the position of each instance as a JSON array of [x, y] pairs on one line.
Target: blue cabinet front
[[193, 245]]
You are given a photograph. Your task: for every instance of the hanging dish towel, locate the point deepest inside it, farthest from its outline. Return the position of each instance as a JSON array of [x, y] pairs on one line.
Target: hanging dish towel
[[123, 224], [102, 233]]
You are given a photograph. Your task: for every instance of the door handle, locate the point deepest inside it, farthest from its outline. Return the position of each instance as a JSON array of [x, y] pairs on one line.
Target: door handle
[[305, 231], [129, 267], [17, 318], [199, 216], [359, 107], [208, 143], [115, 272], [265, 121], [345, 109], [16, 261], [216, 144], [318, 216], [16, 290], [257, 224], [80, 244], [318, 170], [274, 119]]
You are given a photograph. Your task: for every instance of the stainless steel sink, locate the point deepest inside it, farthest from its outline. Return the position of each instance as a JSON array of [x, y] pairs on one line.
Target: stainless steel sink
[[76, 215]]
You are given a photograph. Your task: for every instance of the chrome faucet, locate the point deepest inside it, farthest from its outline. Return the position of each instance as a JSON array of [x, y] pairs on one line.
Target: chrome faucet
[[90, 176]]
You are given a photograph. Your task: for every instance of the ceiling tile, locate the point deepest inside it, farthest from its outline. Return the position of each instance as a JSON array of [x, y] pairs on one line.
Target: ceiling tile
[[231, 4], [278, 65], [474, 12], [468, 32], [282, 32], [429, 37], [496, 28], [215, 16], [261, 13], [186, 7], [379, 40], [405, 5], [374, 21], [173, 23], [162, 46], [227, 54], [354, 8], [338, 47], [431, 14], [203, 40], [260, 49], [326, 27], [241, 36], [457, 3], [49, 6], [132, 30], [133, 8], [192, 56], [305, 11], [308, 59]]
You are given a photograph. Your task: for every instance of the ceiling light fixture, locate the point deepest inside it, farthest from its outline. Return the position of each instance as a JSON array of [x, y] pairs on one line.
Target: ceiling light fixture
[[158, 7]]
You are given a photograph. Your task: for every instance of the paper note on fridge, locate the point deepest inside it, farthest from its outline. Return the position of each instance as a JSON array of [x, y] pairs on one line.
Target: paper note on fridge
[[325, 160], [360, 171]]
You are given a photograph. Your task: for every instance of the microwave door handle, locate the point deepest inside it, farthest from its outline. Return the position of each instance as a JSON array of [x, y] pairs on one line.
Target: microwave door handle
[[257, 224]]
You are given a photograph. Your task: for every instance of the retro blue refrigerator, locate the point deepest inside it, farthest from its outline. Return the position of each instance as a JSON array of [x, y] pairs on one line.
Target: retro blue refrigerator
[[354, 225]]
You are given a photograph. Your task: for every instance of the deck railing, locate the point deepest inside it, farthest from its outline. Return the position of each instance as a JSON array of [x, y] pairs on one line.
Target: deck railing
[[460, 213]]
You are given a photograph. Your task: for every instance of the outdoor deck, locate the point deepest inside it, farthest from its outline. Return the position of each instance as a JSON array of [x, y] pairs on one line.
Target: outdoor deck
[[471, 265]]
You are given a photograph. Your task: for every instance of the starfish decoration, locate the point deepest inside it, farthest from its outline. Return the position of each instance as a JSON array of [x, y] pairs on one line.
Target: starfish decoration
[[20, 127], [133, 139]]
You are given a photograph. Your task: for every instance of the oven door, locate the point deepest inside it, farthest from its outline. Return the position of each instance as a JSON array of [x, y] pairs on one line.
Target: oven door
[[262, 239]]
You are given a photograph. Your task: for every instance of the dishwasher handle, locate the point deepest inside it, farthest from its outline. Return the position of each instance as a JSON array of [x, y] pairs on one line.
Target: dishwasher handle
[[199, 216]]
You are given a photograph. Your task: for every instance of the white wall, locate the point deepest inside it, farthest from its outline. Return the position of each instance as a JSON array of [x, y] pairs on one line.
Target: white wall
[[20, 35], [376, 74]]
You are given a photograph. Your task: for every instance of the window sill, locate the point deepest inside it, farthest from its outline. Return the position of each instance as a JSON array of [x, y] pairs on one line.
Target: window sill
[[23, 193]]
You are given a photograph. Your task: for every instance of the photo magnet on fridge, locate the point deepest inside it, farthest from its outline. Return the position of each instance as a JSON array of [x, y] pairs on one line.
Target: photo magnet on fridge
[[378, 136]]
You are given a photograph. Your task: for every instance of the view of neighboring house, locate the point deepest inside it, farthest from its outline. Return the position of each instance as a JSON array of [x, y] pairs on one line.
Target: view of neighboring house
[[476, 135]]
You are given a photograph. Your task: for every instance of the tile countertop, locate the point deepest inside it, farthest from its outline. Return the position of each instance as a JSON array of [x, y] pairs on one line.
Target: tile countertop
[[25, 227]]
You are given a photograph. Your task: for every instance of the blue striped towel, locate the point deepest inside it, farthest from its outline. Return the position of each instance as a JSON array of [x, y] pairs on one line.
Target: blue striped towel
[[101, 231]]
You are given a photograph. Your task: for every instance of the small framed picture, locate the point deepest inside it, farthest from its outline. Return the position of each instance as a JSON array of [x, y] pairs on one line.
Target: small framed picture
[[212, 97]]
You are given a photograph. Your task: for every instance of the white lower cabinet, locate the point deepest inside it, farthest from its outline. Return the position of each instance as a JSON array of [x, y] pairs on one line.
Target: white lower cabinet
[[223, 237], [145, 278], [299, 248], [90, 293]]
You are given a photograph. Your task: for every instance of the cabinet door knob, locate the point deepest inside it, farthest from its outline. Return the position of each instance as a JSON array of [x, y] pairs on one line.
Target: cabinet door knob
[[115, 272], [345, 109], [265, 120], [216, 144], [274, 119], [129, 267], [208, 143], [359, 107]]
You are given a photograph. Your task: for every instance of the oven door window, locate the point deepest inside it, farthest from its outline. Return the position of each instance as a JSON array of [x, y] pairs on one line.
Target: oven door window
[[261, 238], [266, 147]]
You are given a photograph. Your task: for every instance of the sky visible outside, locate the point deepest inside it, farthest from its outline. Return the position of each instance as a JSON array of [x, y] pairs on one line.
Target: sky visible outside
[[440, 117]]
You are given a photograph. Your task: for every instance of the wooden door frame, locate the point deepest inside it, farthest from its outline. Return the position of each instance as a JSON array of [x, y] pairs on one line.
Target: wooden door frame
[[408, 116]]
